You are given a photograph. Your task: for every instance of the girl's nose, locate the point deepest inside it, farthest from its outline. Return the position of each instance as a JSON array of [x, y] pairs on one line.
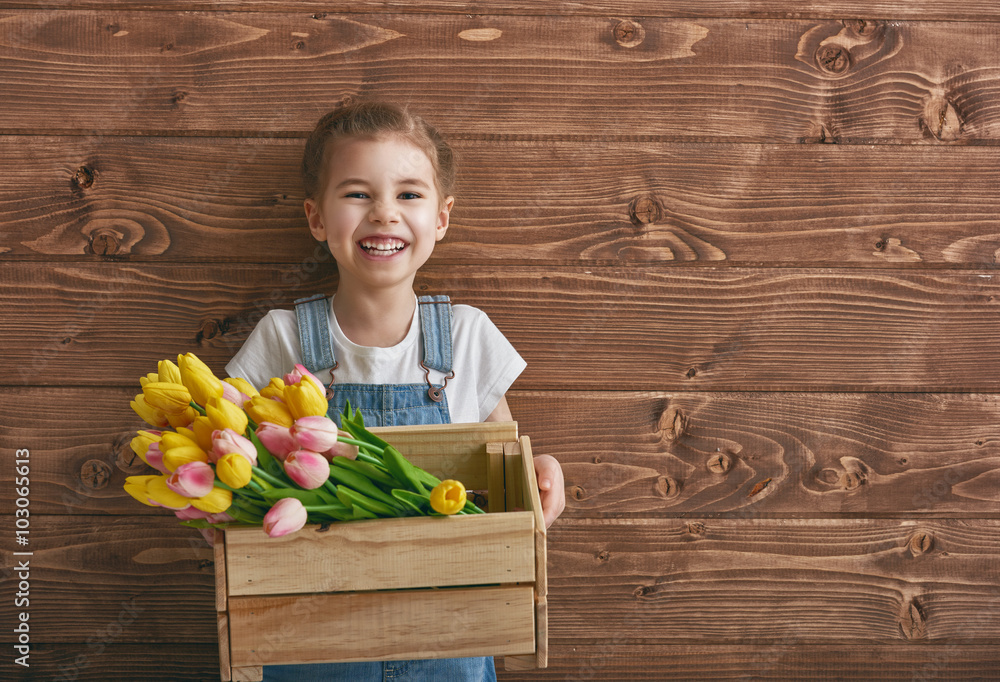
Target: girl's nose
[[384, 212]]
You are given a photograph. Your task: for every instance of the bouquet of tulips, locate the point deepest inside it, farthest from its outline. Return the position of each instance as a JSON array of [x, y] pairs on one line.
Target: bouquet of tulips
[[270, 457]]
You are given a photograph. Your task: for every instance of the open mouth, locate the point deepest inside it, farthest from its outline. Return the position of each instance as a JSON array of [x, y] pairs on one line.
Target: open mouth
[[382, 246]]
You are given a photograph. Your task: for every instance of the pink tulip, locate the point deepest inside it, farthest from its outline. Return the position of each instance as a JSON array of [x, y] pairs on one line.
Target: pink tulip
[[286, 516], [277, 439], [221, 517], [233, 394], [341, 450], [301, 373], [193, 479], [154, 457], [227, 440], [191, 513], [318, 434], [307, 468]]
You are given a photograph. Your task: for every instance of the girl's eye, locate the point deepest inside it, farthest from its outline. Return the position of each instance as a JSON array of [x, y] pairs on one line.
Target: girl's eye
[[409, 195], [356, 195]]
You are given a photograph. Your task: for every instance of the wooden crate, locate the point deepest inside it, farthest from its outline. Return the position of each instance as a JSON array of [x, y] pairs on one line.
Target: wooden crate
[[391, 589]]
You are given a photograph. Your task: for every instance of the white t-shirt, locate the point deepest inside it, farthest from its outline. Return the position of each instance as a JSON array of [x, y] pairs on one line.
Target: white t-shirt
[[484, 362]]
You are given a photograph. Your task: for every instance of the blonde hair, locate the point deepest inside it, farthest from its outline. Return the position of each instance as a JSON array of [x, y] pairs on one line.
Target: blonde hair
[[373, 120]]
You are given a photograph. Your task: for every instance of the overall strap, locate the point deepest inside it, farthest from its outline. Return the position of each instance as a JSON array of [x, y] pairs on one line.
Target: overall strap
[[435, 331], [313, 316]]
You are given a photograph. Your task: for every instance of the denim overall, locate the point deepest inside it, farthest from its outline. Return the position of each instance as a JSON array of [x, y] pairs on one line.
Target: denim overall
[[384, 405]]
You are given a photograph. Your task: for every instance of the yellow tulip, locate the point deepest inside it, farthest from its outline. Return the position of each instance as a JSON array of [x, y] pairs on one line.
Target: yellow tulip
[[224, 415], [149, 378], [274, 389], [203, 429], [262, 409], [170, 440], [233, 469], [183, 419], [304, 399], [203, 385], [143, 440], [216, 502], [157, 491], [136, 487], [191, 361], [242, 385], [167, 397], [174, 457], [448, 497], [148, 413], [189, 434], [168, 371]]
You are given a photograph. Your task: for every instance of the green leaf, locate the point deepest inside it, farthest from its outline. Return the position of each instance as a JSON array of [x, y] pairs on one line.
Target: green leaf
[[421, 504], [356, 499], [368, 470], [358, 482], [307, 497]]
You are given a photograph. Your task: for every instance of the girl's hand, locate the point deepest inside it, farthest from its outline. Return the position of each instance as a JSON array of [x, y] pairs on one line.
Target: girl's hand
[[551, 487]]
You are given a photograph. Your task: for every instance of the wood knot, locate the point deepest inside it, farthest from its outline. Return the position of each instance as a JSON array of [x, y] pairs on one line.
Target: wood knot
[[941, 119], [913, 620], [84, 177], [178, 97], [578, 492], [645, 210], [852, 480], [719, 463], [920, 543], [666, 487], [299, 45], [604, 555], [125, 459], [759, 487], [644, 591], [597, 459], [629, 33], [864, 28], [95, 474], [692, 373], [209, 330], [104, 242], [833, 59], [696, 528], [672, 424]]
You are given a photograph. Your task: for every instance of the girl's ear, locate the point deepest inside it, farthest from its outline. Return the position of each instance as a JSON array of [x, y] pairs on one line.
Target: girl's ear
[[315, 220], [443, 217]]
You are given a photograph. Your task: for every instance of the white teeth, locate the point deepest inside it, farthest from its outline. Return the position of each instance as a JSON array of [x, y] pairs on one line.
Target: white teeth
[[389, 246]]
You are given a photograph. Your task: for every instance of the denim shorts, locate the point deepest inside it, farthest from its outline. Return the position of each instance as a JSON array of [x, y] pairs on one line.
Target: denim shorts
[[450, 669]]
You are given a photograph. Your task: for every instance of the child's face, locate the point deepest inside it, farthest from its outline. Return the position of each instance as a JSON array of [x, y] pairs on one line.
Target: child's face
[[381, 213]]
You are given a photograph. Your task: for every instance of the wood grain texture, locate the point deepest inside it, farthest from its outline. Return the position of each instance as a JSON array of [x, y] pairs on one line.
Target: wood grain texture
[[239, 200], [146, 580], [105, 658], [951, 10], [821, 454], [641, 329], [623, 453], [614, 660], [774, 581], [814, 80]]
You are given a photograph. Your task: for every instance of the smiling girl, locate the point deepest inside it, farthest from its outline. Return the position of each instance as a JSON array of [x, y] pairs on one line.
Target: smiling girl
[[379, 184]]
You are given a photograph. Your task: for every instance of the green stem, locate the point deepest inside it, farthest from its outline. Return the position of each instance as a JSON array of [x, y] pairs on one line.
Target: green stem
[[198, 407], [262, 475], [360, 444]]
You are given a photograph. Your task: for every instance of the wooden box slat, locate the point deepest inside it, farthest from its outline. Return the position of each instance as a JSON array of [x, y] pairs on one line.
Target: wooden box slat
[[375, 626], [493, 548]]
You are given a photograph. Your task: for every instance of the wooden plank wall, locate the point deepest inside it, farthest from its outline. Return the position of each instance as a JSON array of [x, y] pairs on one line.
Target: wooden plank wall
[[747, 249]]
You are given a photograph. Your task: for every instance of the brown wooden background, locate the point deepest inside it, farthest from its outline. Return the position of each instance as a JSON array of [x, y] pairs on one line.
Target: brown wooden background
[[748, 250]]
